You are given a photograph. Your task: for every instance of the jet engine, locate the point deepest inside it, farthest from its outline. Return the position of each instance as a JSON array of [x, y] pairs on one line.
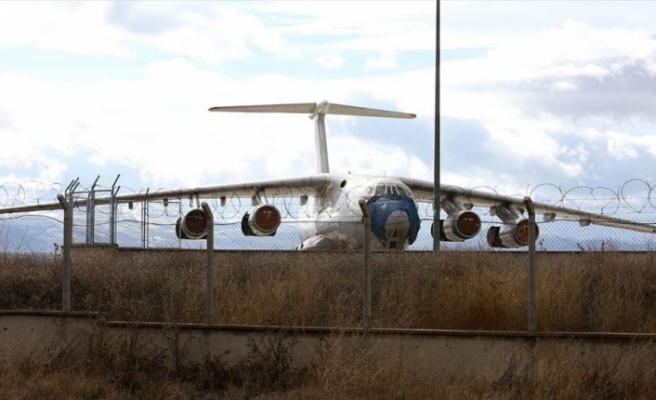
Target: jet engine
[[264, 220], [192, 226], [461, 224], [514, 231], [510, 235]]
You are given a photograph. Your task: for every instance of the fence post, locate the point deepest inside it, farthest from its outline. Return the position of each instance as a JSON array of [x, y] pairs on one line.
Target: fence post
[[209, 218], [66, 251], [366, 269], [144, 221], [112, 211], [532, 324]]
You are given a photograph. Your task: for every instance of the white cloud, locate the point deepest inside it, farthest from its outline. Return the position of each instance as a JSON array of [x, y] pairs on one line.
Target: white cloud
[[76, 27], [582, 81], [222, 35], [552, 84], [563, 86], [621, 147], [350, 154], [329, 61], [382, 60]]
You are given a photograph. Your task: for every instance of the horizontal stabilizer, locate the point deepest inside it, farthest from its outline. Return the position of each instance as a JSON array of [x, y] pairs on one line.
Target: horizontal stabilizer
[[316, 108]]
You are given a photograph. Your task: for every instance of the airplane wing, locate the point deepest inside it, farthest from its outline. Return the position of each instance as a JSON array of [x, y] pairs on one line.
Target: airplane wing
[[308, 185], [423, 191]]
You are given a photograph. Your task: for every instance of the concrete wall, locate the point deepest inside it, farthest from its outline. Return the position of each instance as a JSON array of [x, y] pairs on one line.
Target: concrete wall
[[459, 354]]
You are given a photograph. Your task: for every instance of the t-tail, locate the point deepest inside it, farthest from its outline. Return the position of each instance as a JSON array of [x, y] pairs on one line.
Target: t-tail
[[317, 111]]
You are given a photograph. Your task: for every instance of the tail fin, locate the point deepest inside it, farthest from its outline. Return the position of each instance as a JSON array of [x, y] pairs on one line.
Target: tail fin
[[318, 110]]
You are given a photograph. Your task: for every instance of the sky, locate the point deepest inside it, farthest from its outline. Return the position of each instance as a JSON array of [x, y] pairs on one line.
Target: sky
[[532, 92]]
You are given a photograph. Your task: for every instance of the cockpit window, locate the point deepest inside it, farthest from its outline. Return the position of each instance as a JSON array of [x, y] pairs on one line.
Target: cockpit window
[[388, 188]]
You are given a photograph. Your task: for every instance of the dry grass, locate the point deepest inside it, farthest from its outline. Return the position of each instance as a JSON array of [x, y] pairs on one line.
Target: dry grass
[[593, 291]]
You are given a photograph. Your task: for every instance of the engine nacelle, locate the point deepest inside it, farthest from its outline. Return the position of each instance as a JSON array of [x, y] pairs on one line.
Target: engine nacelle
[[459, 227], [263, 221], [510, 235], [192, 226]]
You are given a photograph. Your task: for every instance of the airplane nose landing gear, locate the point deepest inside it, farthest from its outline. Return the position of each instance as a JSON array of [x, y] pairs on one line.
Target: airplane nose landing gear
[[397, 229]]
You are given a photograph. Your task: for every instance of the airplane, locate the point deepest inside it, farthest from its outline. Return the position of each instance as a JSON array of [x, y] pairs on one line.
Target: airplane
[[331, 201]]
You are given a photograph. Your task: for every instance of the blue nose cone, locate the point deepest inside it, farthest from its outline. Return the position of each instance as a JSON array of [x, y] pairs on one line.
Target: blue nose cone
[[392, 210]]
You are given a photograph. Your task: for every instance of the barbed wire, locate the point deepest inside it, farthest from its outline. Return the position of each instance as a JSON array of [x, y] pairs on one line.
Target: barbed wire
[[14, 194]]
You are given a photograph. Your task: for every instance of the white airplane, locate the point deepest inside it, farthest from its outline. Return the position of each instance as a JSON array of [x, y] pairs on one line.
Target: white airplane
[[331, 201]]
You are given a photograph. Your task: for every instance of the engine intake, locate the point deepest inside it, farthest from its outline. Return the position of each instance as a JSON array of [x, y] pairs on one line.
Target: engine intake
[[461, 224], [459, 227], [510, 235], [192, 226], [263, 221]]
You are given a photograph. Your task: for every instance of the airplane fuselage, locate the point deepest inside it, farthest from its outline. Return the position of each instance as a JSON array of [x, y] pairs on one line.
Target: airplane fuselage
[[338, 219]]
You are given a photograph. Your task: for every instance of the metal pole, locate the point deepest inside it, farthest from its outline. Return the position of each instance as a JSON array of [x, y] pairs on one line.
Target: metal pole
[[436, 157], [112, 211], [366, 269], [91, 213], [532, 324], [68, 240], [209, 218], [144, 221]]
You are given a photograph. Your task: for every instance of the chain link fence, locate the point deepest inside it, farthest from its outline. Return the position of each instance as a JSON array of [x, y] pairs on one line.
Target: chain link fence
[[153, 224]]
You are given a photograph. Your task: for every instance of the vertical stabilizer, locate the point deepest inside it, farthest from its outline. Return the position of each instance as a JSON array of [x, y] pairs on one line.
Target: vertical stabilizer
[[320, 144], [317, 111]]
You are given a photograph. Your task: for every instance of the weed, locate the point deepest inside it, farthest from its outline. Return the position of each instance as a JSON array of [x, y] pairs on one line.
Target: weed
[[268, 366]]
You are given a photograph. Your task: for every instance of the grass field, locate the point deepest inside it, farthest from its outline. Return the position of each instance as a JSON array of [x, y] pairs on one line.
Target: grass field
[[593, 291]]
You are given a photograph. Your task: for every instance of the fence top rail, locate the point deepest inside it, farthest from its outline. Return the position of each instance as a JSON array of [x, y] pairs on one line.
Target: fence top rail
[[315, 330]]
